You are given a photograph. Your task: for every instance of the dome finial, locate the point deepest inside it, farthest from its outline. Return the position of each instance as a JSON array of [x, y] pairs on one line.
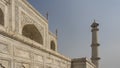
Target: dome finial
[[56, 32]]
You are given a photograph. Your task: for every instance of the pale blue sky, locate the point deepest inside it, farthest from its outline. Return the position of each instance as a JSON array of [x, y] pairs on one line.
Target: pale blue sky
[[73, 18]]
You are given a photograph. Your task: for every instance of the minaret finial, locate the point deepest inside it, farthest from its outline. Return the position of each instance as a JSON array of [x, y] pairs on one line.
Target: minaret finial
[[94, 21], [94, 24], [47, 15], [56, 33]]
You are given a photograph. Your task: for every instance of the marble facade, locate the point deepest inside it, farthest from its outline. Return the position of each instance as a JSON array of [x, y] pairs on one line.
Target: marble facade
[[26, 42]]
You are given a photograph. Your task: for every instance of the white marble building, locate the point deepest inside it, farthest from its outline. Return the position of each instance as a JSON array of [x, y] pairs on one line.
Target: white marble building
[[25, 40]]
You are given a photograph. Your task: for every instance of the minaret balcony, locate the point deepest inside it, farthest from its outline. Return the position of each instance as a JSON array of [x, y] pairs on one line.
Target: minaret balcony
[[95, 44]]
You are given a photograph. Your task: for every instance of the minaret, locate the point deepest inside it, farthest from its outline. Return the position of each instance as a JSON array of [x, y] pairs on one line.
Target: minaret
[[95, 58]]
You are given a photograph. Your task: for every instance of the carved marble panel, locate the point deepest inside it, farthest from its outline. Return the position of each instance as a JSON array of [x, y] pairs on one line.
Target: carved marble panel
[[1, 66], [2, 6], [48, 66], [38, 66], [38, 58], [4, 64], [17, 18], [56, 62], [69, 65], [63, 64], [22, 53], [22, 65], [49, 60], [4, 48], [25, 19], [7, 2]]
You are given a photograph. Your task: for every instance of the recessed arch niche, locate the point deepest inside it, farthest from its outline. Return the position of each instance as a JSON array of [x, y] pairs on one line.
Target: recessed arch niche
[[52, 45], [30, 31]]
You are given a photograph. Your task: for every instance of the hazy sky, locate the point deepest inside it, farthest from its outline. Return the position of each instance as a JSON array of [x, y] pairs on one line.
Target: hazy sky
[[73, 18]]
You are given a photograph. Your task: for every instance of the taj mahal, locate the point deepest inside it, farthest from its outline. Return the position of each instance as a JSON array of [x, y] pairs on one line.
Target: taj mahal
[[26, 42]]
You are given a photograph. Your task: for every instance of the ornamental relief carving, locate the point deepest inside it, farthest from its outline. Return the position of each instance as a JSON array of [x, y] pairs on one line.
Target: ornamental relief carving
[[19, 4], [4, 64], [38, 58], [21, 53], [29, 10], [38, 66], [21, 65], [25, 19], [7, 2], [2, 7], [1, 66], [17, 18], [4, 48]]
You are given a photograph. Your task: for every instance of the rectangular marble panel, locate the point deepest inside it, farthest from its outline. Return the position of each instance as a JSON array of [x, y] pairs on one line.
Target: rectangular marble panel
[[49, 60], [22, 53], [38, 66], [56, 62], [38, 58], [4, 48], [48, 66], [26, 65], [4, 64], [22, 65], [63, 64], [69, 65]]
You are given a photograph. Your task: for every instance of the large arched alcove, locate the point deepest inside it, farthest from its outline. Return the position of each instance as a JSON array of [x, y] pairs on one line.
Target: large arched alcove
[[32, 32], [1, 17], [52, 45]]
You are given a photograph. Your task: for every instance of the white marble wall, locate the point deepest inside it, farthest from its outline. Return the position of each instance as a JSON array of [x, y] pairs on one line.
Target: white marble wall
[[82, 63], [14, 54], [17, 51]]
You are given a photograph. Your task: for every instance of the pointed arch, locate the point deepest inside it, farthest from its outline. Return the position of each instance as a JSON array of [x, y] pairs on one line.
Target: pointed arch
[[32, 32], [52, 45], [1, 17]]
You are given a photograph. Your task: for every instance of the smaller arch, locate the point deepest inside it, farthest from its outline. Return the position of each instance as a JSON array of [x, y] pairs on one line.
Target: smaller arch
[[1, 17], [52, 46]]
